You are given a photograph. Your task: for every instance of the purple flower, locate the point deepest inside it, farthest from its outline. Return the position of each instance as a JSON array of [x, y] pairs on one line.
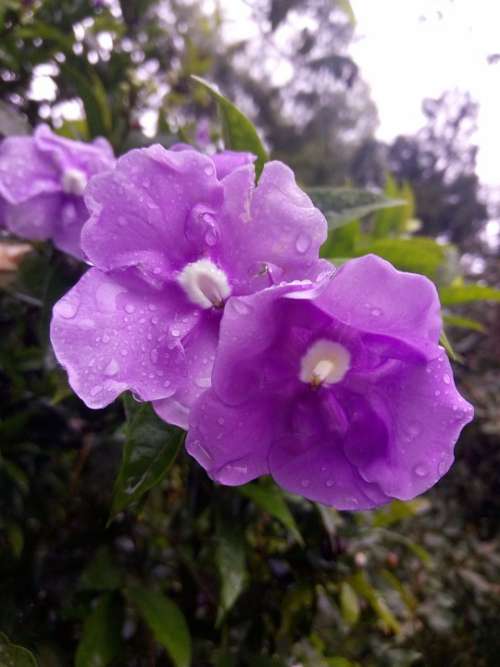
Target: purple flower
[[339, 390], [42, 179], [171, 241]]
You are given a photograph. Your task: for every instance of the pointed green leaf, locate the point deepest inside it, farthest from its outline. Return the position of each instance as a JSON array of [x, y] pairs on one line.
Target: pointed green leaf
[[342, 205], [150, 449], [444, 341], [364, 588], [349, 604], [269, 497], [418, 255], [12, 655], [101, 574], [463, 323], [166, 622], [231, 564], [101, 637], [454, 295], [239, 132]]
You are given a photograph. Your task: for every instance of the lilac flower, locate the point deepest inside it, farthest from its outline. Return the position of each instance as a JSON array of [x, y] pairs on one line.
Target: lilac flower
[[339, 390], [171, 241], [42, 179]]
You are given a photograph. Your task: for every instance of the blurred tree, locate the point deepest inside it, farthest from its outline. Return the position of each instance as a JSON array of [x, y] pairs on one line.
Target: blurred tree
[[439, 162]]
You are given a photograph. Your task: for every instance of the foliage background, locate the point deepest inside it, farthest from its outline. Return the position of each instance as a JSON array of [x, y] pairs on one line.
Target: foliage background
[[190, 572]]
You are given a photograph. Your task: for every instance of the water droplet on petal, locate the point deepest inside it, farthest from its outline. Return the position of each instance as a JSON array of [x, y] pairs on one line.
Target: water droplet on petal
[[112, 368], [442, 467], [303, 243], [305, 483], [203, 383], [421, 470], [329, 483], [220, 420], [437, 393], [130, 308], [376, 312], [66, 309], [446, 379], [241, 307]]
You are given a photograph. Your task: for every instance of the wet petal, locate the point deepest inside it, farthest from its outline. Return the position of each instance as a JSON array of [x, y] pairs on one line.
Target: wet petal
[[424, 414], [231, 443], [116, 333], [139, 211]]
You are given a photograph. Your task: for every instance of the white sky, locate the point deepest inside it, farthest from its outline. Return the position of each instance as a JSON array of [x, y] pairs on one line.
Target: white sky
[[411, 49]]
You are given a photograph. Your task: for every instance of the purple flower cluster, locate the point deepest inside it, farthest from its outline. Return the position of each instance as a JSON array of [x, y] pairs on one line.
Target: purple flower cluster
[[207, 297], [42, 180]]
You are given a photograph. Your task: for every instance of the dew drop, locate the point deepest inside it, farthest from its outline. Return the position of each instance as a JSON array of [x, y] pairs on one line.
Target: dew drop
[[329, 483], [420, 470], [305, 483], [442, 467], [129, 308], [241, 307], [203, 383], [66, 309], [437, 393], [209, 170], [112, 368], [446, 379], [303, 243], [220, 420], [376, 312]]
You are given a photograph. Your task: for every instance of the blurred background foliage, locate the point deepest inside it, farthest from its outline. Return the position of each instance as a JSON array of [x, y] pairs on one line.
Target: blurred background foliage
[[179, 571]]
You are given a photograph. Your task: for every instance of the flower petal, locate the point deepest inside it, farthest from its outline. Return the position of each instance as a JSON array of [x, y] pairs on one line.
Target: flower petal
[[425, 414], [231, 443], [272, 233], [227, 161], [139, 210], [199, 345], [24, 171], [370, 295], [116, 333], [250, 326], [91, 158], [36, 218], [315, 466]]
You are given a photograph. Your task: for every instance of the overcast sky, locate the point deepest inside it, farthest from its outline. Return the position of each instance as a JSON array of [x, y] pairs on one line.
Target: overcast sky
[[411, 49]]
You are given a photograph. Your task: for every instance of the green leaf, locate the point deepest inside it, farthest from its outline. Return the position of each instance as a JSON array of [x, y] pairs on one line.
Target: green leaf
[[101, 636], [102, 574], [349, 604], [166, 622], [150, 449], [363, 587], [445, 342], [463, 323], [342, 205], [12, 655], [398, 510], [338, 661], [418, 255], [95, 101], [269, 497], [454, 295], [231, 564], [238, 130]]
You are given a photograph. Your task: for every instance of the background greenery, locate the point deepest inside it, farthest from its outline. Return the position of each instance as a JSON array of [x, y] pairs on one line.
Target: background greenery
[[161, 567]]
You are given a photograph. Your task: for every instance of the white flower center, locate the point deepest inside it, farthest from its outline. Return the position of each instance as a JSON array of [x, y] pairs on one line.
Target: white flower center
[[74, 181], [204, 283], [325, 362]]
